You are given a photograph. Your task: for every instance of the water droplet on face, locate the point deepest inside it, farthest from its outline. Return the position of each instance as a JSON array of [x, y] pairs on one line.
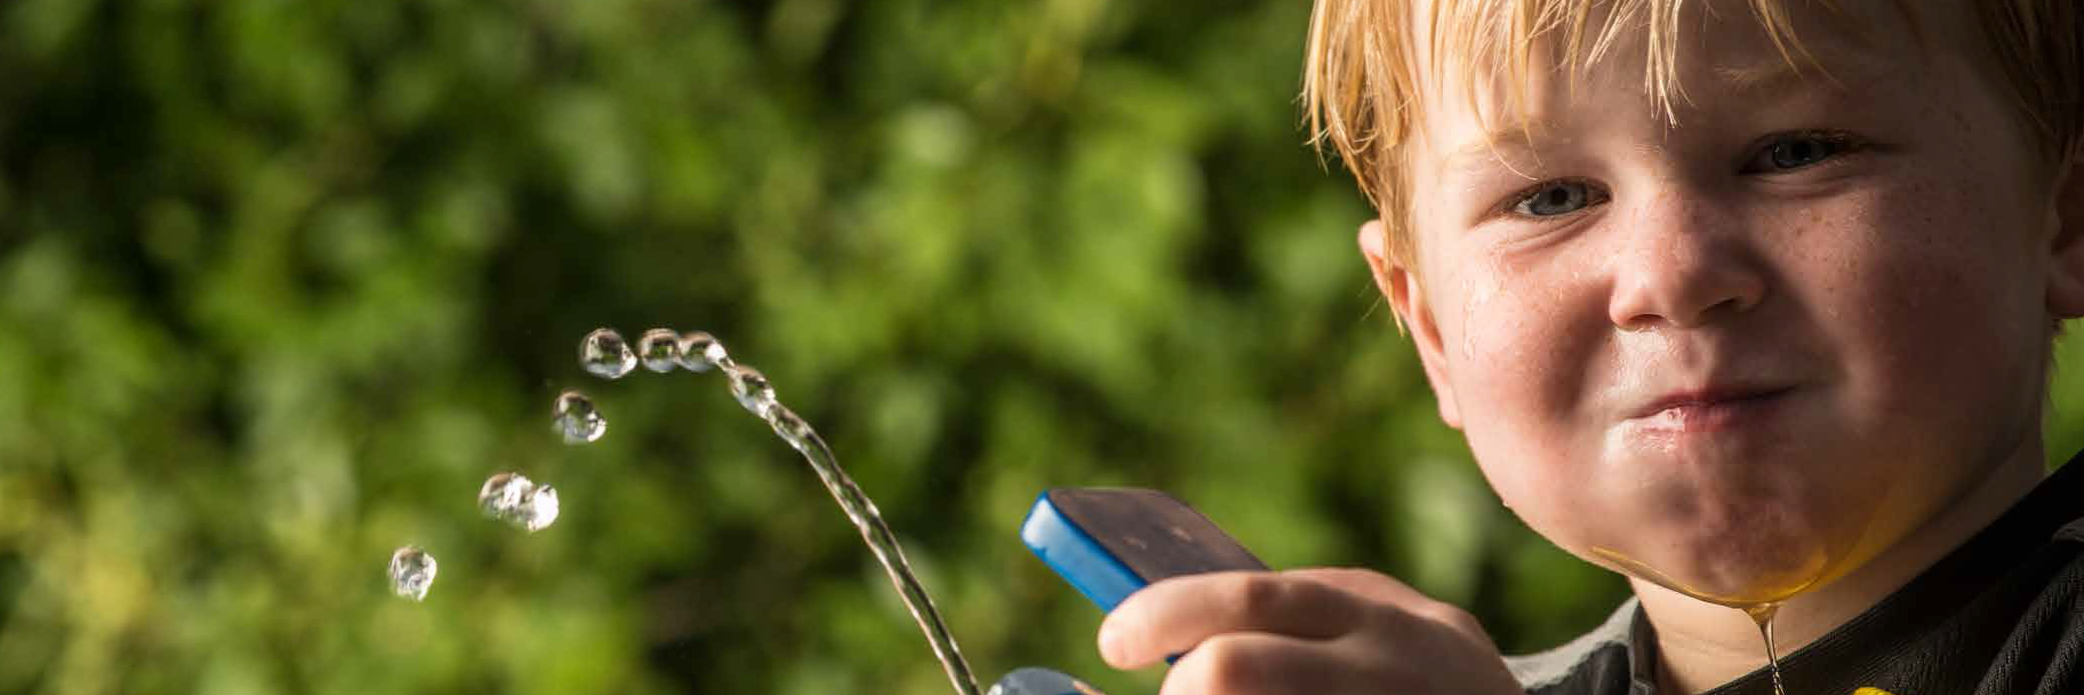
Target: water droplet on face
[[751, 388], [578, 420], [604, 353], [699, 351], [660, 349], [412, 572]]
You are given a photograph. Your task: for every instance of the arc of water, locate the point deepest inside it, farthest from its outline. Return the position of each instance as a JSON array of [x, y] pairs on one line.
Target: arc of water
[[754, 392]]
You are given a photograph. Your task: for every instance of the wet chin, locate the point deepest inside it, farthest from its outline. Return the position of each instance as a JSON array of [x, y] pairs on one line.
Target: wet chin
[[1745, 537], [1760, 560], [1728, 576], [1755, 573]]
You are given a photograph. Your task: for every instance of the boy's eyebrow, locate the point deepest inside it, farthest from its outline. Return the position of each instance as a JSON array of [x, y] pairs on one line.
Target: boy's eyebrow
[[1510, 144], [1761, 77], [1833, 67], [1780, 74], [1505, 145]]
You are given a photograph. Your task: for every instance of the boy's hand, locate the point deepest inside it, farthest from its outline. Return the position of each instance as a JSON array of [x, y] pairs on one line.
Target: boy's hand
[[1303, 631]]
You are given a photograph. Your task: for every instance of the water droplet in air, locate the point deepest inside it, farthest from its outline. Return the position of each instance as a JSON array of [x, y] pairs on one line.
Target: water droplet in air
[[577, 418], [606, 355], [512, 498], [660, 349], [503, 493], [412, 572], [538, 509], [699, 351], [751, 388]]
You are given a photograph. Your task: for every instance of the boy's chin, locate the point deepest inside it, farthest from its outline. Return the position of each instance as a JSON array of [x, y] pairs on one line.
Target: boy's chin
[[1747, 549], [1731, 574]]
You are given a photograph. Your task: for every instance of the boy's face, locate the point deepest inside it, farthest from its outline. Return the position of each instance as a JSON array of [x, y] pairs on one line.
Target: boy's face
[[1750, 351]]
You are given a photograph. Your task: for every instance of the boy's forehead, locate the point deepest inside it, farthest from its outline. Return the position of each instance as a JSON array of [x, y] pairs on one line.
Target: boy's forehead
[[1472, 103]]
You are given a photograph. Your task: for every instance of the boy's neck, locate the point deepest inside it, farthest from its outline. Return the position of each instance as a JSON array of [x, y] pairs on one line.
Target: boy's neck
[[1702, 645]]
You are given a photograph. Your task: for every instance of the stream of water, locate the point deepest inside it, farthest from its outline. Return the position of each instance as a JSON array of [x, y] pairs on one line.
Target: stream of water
[[513, 498], [605, 354]]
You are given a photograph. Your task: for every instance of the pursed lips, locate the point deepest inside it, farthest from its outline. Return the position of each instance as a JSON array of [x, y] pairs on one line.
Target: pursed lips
[[1706, 409]]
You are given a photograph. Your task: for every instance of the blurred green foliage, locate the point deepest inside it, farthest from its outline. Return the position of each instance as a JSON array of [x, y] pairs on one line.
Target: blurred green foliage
[[281, 282]]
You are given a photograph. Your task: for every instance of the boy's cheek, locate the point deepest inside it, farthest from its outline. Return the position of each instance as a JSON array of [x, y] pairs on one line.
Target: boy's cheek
[[1525, 341], [1545, 486], [1931, 281]]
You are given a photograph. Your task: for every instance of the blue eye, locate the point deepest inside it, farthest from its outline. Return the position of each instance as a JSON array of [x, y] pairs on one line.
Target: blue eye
[[1557, 198], [1798, 151]]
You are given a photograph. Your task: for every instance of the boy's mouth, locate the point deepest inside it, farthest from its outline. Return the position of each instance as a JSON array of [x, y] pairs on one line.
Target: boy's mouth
[[1710, 409]]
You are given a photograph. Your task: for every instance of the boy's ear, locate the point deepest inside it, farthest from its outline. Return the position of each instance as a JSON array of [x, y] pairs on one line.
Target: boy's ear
[[2066, 216], [1407, 298]]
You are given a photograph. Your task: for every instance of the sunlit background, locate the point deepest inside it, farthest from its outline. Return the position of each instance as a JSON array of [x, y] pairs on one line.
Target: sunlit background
[[283, 281]]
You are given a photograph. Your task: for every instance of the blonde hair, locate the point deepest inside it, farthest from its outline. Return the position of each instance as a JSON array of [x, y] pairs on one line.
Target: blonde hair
[[1361, 87]]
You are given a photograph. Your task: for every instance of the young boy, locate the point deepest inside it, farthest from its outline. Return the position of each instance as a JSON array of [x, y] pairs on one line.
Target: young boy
[[1751, 301]]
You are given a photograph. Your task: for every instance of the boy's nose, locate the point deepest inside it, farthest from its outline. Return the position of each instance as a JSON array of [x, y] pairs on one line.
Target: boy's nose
[[1682, 265]]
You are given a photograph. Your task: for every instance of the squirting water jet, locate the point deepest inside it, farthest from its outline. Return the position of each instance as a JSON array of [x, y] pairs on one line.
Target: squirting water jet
[[700, 352]]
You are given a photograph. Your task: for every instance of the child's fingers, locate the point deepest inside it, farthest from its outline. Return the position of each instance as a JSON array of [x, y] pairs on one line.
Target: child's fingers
[[1381, 588], [1367, 584], [1248, 663], [1174, 615]]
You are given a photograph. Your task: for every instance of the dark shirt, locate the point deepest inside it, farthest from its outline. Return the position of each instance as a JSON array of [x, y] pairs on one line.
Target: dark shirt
[[1998, 615]]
